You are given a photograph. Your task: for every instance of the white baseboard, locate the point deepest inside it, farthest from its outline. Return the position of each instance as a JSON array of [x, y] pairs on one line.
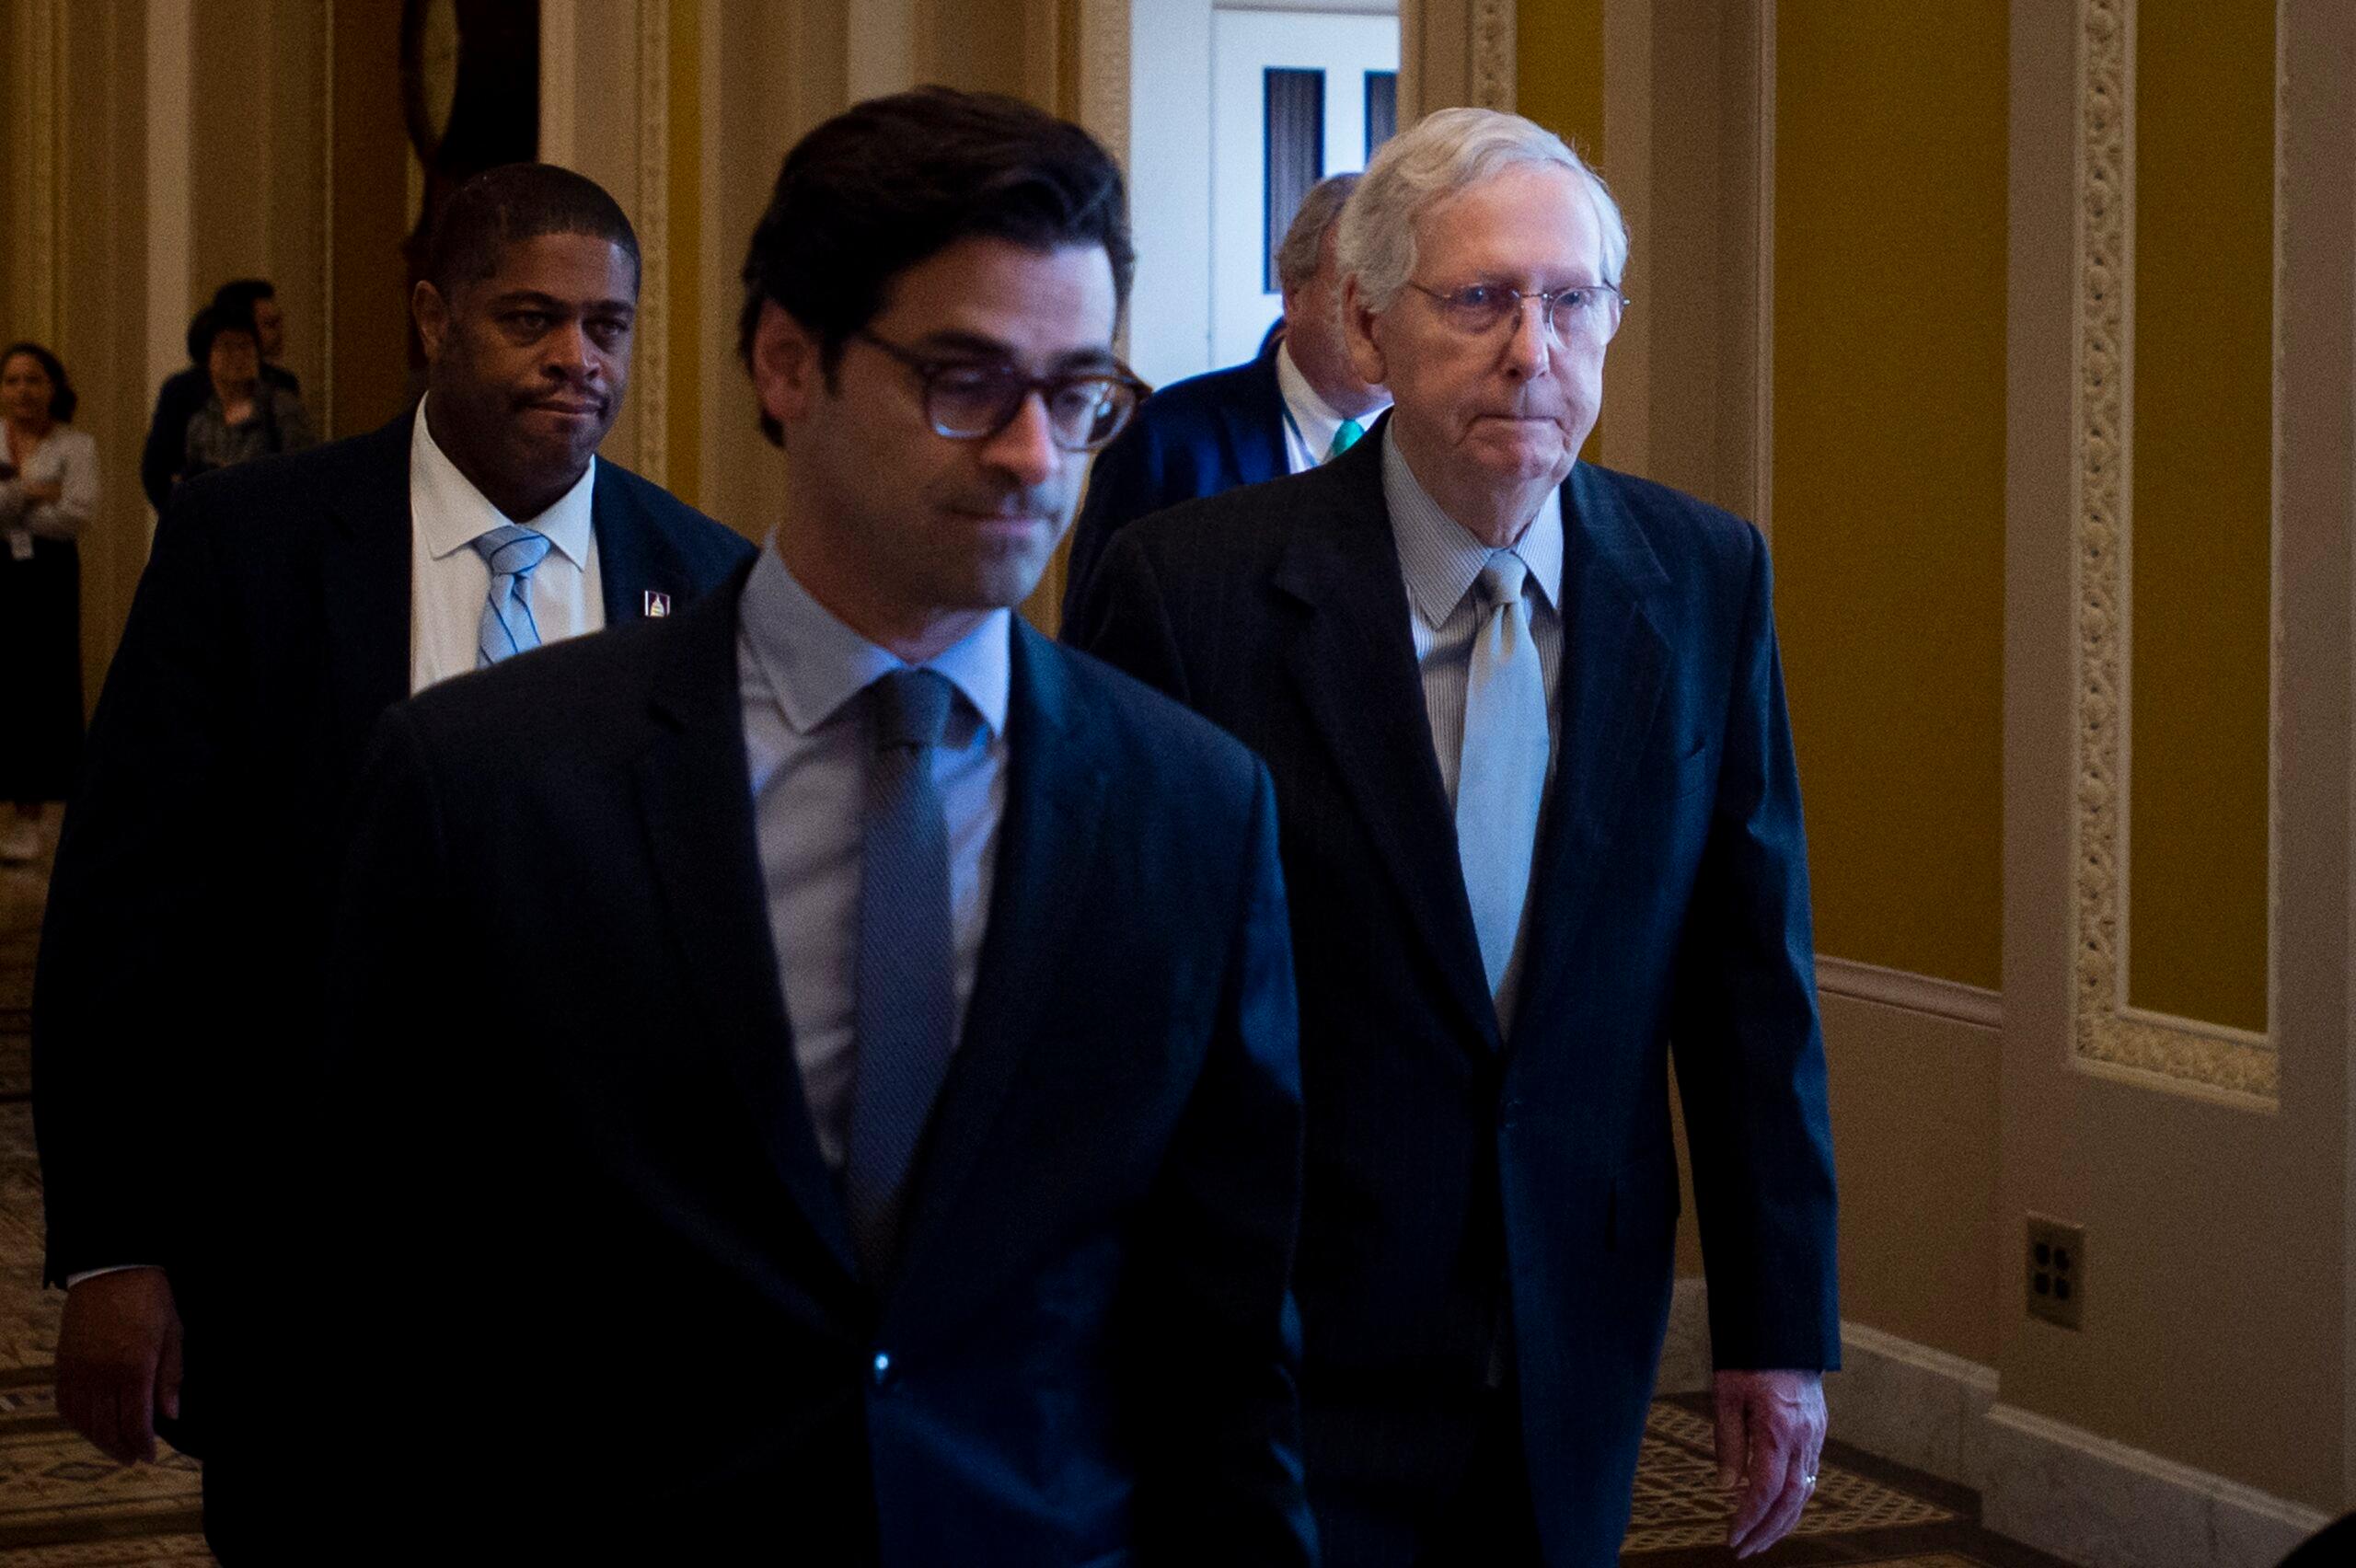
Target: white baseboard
[[1911, 1404], [2106, 1506], [2056, 1487]]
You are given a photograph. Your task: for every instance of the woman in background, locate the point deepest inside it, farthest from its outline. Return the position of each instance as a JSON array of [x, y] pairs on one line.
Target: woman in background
[[48, 489], [247, 416]]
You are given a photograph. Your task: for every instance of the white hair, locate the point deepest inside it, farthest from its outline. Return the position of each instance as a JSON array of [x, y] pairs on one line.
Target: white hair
[[1444, 154]]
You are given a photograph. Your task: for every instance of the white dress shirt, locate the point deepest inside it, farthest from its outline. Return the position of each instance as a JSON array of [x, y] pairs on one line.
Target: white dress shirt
[[66, 457], [1310, 424], [1441, 560], [808, 747], [449, 582]]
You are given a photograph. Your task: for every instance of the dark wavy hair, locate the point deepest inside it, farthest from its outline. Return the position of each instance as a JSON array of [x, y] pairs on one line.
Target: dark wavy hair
[[214, 320], [239, 296], [897, 180], [62, 398]]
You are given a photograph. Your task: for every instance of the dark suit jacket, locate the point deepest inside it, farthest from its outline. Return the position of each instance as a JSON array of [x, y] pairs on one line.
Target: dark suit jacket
[[1193, 438], [1090, 1342], [179, 983], [177, 401], [1446, 1164]]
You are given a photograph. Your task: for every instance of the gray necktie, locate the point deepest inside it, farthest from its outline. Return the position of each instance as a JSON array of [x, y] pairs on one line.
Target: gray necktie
[[1501, 780], [904, 1006]]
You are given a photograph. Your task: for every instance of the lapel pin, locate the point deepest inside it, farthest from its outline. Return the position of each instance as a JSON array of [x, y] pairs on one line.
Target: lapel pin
[[657, 603]]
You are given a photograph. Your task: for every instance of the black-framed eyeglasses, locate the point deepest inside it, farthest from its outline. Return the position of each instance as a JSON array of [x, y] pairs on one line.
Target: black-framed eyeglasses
[[972, 400], [1585, 313]]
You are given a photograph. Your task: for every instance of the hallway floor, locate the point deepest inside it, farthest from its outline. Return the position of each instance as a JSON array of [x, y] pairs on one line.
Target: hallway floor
[[64, 1505]]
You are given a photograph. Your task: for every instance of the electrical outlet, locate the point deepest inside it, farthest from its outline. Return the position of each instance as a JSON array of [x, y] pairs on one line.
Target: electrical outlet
[[2057, 1272]]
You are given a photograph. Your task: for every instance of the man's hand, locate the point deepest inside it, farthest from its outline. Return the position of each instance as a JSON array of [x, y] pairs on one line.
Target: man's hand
[[118, 1361], [1771, 1429]]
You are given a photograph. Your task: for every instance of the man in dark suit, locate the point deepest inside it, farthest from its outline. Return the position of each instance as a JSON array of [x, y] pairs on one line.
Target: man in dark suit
[[1297, 403], [866, 1117], [1541, 822], [288, 603], [252, 300]]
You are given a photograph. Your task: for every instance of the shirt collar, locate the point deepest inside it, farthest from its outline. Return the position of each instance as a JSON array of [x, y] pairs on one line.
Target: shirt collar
[[815, 664], [1440, 558], [1312, 417], [450, 514]]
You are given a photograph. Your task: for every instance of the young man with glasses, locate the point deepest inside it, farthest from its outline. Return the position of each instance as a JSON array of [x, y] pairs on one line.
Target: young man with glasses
[[1541, 822], [870, 1126]]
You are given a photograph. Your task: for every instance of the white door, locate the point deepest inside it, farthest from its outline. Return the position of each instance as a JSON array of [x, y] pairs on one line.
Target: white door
[[1348, 56]]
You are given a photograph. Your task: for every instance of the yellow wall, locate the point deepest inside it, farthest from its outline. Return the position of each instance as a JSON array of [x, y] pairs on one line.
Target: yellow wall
[[1889, 454], [1559, 70], [371, 219], [1558, 82], [2203, 488]]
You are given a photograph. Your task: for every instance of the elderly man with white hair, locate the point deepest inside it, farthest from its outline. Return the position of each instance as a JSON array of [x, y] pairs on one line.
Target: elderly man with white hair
[[1542, 840]]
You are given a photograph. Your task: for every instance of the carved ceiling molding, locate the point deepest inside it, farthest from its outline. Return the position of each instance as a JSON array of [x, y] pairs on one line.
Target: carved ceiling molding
[[2107, 1031]]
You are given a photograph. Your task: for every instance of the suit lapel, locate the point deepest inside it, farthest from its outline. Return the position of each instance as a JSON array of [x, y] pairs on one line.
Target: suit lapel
[[1353, 660], [364, 583], [1615, 662], [1255, 425], [634, 557], [699, 811], [1055, 797]]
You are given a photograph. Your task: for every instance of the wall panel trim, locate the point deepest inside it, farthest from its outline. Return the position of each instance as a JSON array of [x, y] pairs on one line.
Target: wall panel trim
[[2106, 1030], [1927, 994]]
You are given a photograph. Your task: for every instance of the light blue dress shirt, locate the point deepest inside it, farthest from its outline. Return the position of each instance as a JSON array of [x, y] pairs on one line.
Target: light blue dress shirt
[[1440, 560], [808, 745]]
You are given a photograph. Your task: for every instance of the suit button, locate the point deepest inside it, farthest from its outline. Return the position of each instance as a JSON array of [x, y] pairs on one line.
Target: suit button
[[1509, 1111], [881, 1371]]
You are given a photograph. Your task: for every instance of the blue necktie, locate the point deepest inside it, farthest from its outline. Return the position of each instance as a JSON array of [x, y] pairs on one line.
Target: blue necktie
[[904, 985], [1501, 776], [507, 626], [1345, 435]]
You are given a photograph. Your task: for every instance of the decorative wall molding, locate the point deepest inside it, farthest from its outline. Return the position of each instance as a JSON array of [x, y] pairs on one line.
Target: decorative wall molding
[[1495, 59], [1951, 1000], [650, 345], [2106, 1030]]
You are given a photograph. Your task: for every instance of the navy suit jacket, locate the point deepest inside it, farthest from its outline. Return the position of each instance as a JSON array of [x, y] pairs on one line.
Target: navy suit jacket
[[1450, 1167], [1086, 1354], [179, 992], [1196, 437]]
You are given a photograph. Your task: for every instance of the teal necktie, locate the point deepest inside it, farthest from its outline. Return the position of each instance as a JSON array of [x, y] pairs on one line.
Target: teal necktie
[[1345, 436]]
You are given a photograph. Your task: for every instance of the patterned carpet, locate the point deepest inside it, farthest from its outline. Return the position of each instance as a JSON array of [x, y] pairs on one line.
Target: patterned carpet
[[64, 1505]]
